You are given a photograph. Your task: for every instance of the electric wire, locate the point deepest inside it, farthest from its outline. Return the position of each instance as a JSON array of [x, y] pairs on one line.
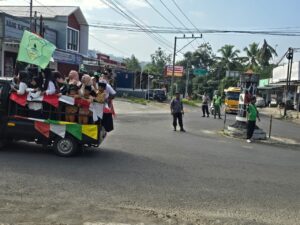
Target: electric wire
[[109, 45], [145, 25], [161, 15], [170, 11], [169, 30], [187, 18], [126, 16]]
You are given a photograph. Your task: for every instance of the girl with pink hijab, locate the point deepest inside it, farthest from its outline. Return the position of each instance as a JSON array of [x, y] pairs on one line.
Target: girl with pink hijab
[[86, 81], [74, 78]]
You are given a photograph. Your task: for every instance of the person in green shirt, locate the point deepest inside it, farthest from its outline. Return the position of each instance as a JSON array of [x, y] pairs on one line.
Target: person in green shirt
[[252, 114], [217, 103]]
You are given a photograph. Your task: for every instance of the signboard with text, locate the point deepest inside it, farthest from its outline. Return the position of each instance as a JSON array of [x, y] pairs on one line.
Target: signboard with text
[[200, 72], [67, 57], [14, 28], [178, 71]]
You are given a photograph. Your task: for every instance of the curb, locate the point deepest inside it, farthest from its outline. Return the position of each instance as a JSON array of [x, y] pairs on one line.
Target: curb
[[276, 141]]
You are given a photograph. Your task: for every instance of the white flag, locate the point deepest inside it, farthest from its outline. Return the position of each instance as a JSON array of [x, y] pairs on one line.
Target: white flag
[[60, 130]]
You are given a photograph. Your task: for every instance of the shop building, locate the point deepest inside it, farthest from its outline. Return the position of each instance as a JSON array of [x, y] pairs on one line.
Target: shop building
[[65, 26], [276, 88], [105, 60]]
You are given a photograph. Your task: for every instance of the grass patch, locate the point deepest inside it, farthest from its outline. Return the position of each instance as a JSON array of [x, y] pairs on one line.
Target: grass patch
[[194, 103], [141, 101]]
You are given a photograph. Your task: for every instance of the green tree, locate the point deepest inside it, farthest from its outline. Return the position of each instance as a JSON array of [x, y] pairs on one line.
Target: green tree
[[266, 53], [132, 64], [159, 60], [252, 58], [203, 57], [227, 82], [229, 59]]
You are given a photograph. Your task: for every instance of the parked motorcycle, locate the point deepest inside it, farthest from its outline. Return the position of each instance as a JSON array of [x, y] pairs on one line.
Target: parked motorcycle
[[212, 109]]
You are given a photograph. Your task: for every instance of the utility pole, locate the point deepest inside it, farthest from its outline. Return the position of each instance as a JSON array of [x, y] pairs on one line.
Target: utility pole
[[35, 21], [30, 9], [289, 56], [173, 68], [187, 79], [148, 86], [175, 52]]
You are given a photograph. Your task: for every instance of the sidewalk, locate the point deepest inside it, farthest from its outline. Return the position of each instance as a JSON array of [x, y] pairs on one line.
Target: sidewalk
[[292, 115], [124, 106]]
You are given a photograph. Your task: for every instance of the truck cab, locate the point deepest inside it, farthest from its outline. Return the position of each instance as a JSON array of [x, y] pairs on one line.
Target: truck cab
[[232, 95], [66, 138]]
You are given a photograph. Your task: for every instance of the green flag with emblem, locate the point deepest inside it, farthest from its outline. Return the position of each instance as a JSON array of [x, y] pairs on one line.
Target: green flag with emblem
[[35, 50]]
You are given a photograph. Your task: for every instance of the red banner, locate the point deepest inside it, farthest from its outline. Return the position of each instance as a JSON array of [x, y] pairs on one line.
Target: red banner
[[52, 100], [19, 99]]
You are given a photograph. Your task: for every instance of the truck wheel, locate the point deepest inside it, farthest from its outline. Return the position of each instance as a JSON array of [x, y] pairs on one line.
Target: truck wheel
[[65, 147]]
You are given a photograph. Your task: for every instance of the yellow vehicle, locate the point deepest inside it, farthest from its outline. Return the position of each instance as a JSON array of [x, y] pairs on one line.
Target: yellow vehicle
[[232, 95]]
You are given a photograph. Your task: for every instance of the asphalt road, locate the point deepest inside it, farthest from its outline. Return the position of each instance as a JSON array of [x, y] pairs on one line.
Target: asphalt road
[[145, 172]]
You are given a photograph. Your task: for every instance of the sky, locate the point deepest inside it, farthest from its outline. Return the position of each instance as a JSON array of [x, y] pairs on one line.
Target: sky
[[204, 14]]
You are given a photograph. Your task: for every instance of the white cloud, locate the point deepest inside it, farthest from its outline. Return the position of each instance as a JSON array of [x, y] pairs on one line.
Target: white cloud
[[134, 4]]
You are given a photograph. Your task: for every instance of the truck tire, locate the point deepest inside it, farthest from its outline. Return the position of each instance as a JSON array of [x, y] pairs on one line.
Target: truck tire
[[65, 147]]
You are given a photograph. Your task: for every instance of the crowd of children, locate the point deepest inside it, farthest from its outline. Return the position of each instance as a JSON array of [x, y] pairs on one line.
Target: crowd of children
[[86, 89]]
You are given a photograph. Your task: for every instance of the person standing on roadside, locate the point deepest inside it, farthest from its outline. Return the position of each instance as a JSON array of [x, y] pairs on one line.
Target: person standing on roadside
[[217, 103], [176, 107], [252, 114], [205, 102]]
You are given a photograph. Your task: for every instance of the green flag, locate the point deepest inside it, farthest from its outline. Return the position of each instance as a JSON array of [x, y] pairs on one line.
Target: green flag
[[75, 130], [35, 50]]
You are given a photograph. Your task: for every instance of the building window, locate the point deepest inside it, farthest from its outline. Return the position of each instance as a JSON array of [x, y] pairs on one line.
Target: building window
[[73, 40]]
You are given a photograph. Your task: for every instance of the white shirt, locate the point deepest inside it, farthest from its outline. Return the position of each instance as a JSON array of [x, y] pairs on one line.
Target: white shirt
[[109, 91], [34, 100], [51, 89], [22, 88]]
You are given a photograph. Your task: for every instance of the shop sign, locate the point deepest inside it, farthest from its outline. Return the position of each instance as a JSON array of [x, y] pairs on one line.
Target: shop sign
[[67, 57], [178, 71], [14, 28]]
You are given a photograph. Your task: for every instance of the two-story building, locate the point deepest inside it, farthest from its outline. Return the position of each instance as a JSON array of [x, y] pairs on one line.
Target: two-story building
[[66, 27]]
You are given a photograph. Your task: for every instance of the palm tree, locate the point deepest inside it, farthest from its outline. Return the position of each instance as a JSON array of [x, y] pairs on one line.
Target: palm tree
[[266, 53], [252, 58], [229, 57]]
